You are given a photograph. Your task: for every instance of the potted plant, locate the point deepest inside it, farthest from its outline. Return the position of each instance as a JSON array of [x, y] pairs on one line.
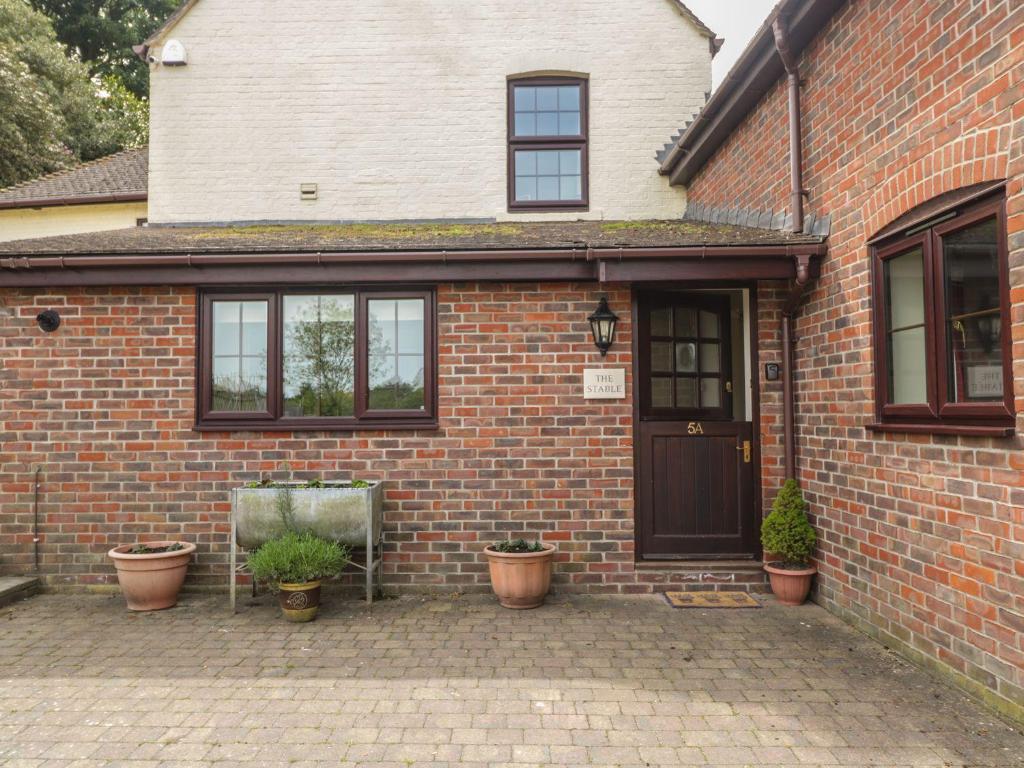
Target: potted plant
[[151, 574], [787, 534], [293, 565], [520, 571]]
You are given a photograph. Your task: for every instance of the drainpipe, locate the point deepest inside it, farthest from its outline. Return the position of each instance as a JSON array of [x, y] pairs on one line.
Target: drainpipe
[[789, 310], [780, 28]]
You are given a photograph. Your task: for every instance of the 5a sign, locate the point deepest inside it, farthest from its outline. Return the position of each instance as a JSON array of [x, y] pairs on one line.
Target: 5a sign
[[695, 428]]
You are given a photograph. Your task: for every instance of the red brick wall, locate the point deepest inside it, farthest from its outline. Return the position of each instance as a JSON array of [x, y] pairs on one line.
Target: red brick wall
[[922, 537], [105, 406]]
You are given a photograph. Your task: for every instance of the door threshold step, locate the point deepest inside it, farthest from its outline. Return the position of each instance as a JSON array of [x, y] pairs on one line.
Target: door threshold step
[[701, 565], [17, 587]]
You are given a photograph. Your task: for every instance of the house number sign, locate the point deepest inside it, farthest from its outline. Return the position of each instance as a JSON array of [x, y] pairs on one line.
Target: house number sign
[[604, 383]]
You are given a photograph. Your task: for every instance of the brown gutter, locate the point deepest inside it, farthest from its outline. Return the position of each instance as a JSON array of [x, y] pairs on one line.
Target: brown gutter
[[137, 260], [51, 202], [789, 309], [780, 28]]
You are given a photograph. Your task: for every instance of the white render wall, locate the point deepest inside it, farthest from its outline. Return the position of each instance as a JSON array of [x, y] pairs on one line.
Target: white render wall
[[23, 223], [397, 108]]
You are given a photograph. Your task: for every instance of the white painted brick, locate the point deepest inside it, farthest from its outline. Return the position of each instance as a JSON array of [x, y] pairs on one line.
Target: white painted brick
[[396, 108]]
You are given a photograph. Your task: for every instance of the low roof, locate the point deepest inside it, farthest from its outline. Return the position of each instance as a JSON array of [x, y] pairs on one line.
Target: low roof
[[392, 237], [755, 72], [120, 177]]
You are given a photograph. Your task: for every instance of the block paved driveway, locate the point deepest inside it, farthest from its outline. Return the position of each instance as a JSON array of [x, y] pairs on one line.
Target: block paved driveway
[[417, 682]]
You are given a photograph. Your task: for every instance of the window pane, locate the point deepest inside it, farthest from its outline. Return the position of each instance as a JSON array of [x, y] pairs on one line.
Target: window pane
[[569, 188], [686, 322], [905, 281], [239, 356], [661, 392], [661, 356], [710, 358], [686, 393], [708, 325], [526, 98], [904, 310], [526, 188], [547, 123], [526, 163], [319, 355], [973, 313], [710, 393], [661, 322], [908, 380], [569, 162], [547, 188], [526, 124], [686, 357], [396, 354], [569, 98], [569, 124]]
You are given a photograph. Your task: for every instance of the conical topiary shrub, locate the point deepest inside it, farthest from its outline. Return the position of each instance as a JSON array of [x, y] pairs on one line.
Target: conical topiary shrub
[[787, 533]]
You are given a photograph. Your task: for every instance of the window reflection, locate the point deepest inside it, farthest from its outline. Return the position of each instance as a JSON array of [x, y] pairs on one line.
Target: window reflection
[[396, 355], [240, 356], [319, 355]]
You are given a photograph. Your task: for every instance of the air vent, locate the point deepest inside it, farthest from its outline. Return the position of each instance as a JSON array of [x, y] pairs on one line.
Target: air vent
[[307, 191]]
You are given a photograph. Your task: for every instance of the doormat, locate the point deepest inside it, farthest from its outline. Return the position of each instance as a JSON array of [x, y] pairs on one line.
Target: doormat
[[709, 599]]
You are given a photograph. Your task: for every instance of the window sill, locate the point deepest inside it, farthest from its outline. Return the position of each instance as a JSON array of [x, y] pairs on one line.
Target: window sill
[[277, 426], [964, 430]]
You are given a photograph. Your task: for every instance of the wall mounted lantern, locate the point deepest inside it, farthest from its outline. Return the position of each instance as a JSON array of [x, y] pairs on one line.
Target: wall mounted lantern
[[602, 326], [48, 320]]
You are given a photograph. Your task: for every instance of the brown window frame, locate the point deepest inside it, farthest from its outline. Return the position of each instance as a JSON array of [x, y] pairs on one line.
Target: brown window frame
[[940, 415], [273, 418], [580, 142]]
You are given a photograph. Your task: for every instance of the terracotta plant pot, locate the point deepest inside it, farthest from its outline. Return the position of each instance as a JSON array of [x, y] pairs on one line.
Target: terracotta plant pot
[[151, 582], [791, 586], [521, 579], [300, 602]]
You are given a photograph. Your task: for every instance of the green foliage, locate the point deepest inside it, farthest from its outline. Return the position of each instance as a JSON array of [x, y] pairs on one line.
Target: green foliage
[[48, 105], [145, 549], [101, 33], [267, 482], [786, 531], [123, 116], [296, 559], [517, 546]]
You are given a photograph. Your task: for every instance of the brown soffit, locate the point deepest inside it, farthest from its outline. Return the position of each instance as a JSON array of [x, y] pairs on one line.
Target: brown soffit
[[751, 77], [605, 264], [49, 202]]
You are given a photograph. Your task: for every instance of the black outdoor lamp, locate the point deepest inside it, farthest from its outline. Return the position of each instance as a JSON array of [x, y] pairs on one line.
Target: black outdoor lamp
[[602, 326]]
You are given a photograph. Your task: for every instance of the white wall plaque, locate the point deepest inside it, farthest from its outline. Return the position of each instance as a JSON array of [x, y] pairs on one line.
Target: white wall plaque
[[604, 383]]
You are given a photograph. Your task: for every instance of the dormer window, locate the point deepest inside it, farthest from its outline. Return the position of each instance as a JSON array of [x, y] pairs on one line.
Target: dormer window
[[547, 145]]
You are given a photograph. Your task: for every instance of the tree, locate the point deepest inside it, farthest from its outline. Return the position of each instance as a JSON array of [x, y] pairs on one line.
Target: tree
[[50, 113], [101, 33]]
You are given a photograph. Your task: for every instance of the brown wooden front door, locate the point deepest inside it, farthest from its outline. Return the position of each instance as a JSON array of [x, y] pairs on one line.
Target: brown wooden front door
[[694, 460]]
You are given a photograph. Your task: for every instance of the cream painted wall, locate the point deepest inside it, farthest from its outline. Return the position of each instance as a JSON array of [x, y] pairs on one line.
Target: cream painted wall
[[21, 223], [397, 108]]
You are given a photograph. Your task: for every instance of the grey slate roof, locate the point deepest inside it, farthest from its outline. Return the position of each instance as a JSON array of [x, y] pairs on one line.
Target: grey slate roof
[[439, 236], [122, 176]]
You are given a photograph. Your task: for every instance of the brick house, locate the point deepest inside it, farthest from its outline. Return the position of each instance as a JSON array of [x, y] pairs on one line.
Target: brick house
[[819, 277]]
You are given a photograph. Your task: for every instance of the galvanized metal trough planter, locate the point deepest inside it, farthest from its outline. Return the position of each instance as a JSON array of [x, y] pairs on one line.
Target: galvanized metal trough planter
[[336, 511]]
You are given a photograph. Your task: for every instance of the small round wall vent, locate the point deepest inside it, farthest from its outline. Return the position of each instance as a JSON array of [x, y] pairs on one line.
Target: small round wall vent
[[48, 320]]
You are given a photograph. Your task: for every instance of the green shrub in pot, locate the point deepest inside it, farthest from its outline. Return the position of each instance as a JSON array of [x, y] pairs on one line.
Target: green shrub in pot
[[787, 534], [293, 565]]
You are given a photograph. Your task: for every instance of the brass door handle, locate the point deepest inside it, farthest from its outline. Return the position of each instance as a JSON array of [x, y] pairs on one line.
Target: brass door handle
[[746, 448]]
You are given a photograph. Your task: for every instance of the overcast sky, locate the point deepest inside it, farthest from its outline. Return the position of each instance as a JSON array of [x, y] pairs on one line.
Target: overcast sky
[[736, 21]]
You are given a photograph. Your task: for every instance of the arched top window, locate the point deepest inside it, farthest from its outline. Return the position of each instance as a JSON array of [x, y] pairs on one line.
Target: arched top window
[[941, 318]]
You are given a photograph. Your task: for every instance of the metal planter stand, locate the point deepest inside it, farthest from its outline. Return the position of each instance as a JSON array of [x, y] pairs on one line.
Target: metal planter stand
[[350, 516]]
